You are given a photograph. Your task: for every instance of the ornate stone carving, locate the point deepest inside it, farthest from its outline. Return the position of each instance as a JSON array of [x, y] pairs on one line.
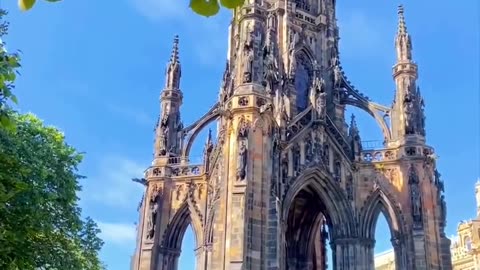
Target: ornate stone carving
[[248, 55], [309, 151], [349, 186], [242, 150], [318, 97], [178, 192], [163, 131], [271, 70], [415, 196], [296, 159], [337, 76], [243, 101], [153, 210]]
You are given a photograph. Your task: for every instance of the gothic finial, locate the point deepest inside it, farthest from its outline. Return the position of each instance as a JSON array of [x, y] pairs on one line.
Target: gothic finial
[[403, 42], [353, 125], [402, 26], [174, 57], [173, 68]]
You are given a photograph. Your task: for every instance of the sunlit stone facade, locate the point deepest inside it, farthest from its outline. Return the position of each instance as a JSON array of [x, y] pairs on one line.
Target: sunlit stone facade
[[284, 176]]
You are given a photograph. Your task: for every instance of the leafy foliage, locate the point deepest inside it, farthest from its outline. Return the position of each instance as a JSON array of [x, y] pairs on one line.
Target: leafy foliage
[[209, 8], [28, 4], [40, 223], [9, 63]]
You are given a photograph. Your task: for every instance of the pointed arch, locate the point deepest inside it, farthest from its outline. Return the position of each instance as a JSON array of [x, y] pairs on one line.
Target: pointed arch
[[184, 216], [380, 202], [338, 209]]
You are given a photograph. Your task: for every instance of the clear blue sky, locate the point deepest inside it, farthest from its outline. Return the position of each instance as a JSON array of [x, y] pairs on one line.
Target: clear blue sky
[[95, 69]]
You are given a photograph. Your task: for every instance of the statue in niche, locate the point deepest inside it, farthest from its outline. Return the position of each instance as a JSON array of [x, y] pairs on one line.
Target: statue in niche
[[443, 210], [242, 161], [153, 211], [296, 158], [271, 70], [271, 21], [248, 53], [337, 76], [337, 171], [326, 155], [242, 138], [179, 192], [163, 134], [284, 168], [409, 116], [308, 150], [349, 187], [318, 96], [293, 65], [415, 195]]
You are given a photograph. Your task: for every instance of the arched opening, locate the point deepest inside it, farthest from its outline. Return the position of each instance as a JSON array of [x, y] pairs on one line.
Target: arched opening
[[382, 224], [384, 254], [308, 232], [187, 260], [317, 215], [178, 250]]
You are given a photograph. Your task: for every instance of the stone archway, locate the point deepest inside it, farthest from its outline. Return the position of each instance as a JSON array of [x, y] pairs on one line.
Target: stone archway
[[171, 242], [313, 205], [378, 203]]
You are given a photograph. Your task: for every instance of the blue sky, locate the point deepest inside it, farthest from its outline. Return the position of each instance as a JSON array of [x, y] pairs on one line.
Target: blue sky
[[95, 69]]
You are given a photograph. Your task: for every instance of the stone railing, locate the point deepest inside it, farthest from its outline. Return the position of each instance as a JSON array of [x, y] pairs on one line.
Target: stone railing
[[187, 170], [177, 167], [381, 155]]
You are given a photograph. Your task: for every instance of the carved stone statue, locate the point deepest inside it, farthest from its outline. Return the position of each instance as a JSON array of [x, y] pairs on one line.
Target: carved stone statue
[[443, 210], [293, 64], [337, 76], [153, 211], [248, 54], [163, 134], [242, 161], [416, 202], [284, 168], [309, 154], [271, 70], [415, 196]]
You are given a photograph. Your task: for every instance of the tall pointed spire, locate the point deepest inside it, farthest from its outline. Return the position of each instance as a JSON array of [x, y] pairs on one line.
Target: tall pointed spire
[[403, 42], [174, 71]]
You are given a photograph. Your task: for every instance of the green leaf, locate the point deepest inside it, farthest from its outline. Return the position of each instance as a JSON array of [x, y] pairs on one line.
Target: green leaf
[[14, 99], [231, 4], [205, 8], [26, 4]]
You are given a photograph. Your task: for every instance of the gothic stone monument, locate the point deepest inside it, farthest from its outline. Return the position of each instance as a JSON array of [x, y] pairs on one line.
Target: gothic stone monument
[[286, 176]]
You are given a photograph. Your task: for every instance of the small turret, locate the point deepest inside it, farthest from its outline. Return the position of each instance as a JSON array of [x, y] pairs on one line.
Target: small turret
[[407, 115], [168, 131], [354, 137]]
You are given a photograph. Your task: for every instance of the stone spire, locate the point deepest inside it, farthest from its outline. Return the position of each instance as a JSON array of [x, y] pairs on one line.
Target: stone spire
[[403, 42], [407, 114], [169, 125], [174, 70]]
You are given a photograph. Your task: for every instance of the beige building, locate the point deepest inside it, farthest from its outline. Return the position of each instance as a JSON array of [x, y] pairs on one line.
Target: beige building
[[465, 245], [285, 175]]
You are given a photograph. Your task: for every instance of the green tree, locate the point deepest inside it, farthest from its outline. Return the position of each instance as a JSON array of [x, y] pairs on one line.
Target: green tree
[[9, 64], [40, 221]]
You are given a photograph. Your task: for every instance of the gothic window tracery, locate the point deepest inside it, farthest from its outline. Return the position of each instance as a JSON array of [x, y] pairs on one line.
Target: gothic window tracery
[[303, 80]]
